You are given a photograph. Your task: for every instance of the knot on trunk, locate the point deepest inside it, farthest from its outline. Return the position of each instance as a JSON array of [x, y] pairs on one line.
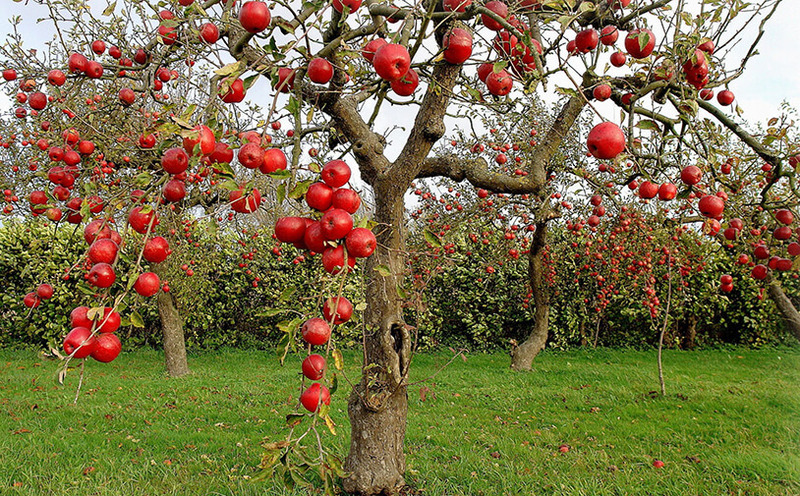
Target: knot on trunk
[[433, 131]]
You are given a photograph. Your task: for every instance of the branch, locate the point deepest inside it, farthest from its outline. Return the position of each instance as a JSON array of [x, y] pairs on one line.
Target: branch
[[477, 172], [743, 135]]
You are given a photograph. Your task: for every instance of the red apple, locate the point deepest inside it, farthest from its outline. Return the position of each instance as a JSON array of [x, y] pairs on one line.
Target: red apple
[[336, 173], [251, 156], [360, 242], [784, 216], [667, 192], [175, 161], [343, 310], [314, 367], [352, 5], [80, 342], [336, 223], [156, 250], [499, 83], [587, 40], [319, 196], [456, 5], [725, 97], [315, 331], [290, 229], [44, 291], [209, 32], [406, 85], [640, 43], [457, 46], [618, 59], [107, 348], [609, 35], [319, 70], [691, 174], [391, 61], [101, 275], [313, 237], [31, 300], [346, 199], [142, 218], [648, 190], [368, 52], [498, 8], [333, 260], [103, 251], [605, 141], [147, 284], [204, 137], [601, 92], [254, 16], [314, 396], [711, 206]]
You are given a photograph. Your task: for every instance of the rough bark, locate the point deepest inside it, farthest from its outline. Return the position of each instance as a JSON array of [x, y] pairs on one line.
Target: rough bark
[[172, 332], [791, 317], [522, 356], [378, 404]]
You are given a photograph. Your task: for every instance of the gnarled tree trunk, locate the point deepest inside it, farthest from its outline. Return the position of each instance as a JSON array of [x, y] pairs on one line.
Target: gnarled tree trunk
[[791, 317], [522, 356], [172, 332], [378, 405]]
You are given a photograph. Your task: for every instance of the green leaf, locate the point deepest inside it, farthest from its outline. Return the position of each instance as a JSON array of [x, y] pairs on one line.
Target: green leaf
[[281, 174], [225, 169], [499, 66], [334, 384], [229, 184], [231, 68], [287, 293], [338, 360], [142, 180], [281, 193], [648, 125], [294, 419], [136, 320], [432, 239], [330, 424], [384, 270], [300, 190], [249, 81], [110, 9], [401, 292], [644, 39]]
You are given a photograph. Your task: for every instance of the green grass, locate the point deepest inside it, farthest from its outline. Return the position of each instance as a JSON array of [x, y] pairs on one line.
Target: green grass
[[730, 424]]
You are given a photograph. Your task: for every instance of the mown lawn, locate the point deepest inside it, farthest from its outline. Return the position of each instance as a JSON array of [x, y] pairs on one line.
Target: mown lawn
[[730, 424]]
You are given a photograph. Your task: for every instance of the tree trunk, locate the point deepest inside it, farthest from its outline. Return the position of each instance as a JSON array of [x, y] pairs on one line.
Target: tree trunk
[[791, 317], [689, 332], [523, 355], [379, 403], [172, 332]]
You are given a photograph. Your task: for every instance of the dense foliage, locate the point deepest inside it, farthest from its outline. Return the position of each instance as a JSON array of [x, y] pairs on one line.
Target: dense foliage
[[456, 303]]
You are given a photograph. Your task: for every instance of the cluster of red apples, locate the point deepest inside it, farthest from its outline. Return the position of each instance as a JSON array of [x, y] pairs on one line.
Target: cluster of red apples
[[332, 235]]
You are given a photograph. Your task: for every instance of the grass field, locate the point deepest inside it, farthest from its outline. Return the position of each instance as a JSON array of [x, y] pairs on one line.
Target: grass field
[[730, 424]]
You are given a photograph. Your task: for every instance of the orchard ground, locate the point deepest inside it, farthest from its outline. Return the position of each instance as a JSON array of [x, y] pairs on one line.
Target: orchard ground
[[730, 424]]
